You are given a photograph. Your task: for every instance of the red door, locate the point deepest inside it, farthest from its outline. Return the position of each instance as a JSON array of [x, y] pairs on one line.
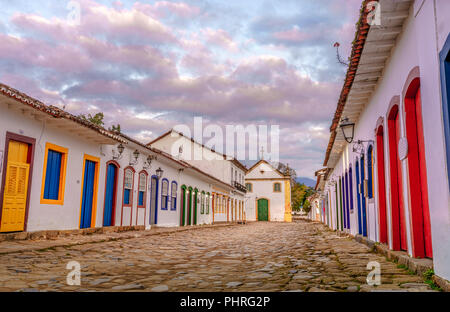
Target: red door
[[381, 186], [420, 217], [397, 209]]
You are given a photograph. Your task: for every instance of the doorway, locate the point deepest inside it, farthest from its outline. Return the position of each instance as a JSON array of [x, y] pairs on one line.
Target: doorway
[[263, 209]]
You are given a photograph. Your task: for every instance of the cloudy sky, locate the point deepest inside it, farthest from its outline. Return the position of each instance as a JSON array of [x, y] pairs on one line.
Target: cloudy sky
[[151, 65]]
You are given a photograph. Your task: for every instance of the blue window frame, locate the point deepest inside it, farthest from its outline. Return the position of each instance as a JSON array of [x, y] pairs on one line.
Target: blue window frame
[[128, 186], [350, 178], [164, 194], [445, 86], [370, 172], [53, 175], [126, 197], [173, 191], [347, 200], [142, 189], [141, 198]]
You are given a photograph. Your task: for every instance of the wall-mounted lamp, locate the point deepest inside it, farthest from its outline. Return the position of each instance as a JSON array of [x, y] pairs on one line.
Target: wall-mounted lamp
[[359, 148], [348, 129], [159, 173], [148, 161], [135, 156], [118, 154]]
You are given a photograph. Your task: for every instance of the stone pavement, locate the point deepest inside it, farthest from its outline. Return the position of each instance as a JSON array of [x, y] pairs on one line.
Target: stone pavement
[[299, 256]]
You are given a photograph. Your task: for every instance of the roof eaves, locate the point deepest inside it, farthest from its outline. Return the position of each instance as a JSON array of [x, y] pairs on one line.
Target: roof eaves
[[358, 45]]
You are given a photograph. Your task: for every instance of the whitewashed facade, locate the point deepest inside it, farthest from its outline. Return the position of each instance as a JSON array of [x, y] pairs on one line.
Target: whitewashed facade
[[59, 172], [268, 194], [402, 196], [229, 197]]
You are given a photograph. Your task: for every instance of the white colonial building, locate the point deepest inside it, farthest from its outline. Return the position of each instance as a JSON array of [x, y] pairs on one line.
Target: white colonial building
[[388, 180], [268, 193], [228, 196], [61, 172]]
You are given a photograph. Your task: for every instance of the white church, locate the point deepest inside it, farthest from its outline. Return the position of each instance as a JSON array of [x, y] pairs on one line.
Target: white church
[[268, 195]]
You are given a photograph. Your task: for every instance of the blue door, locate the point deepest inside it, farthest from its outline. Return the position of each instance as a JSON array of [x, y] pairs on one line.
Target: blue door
[[363, 200], [110, 196], [347, 200], [358, 197], [88, 194]]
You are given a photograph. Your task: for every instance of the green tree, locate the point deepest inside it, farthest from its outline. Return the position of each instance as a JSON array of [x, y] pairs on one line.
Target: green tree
[[297, 195], [97, 119], [307, 206], [285, 169], [115, 128]]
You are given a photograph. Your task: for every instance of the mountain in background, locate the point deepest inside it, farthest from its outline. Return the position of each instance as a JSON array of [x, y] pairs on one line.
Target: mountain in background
[[307, 181]]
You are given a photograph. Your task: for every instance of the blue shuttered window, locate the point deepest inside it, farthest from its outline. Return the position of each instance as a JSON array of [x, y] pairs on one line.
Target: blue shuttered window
[[174, 190], [126, 197], [142, 188], [370, 172], [164, 194], [141, 198], [128, 186], [53, 175]]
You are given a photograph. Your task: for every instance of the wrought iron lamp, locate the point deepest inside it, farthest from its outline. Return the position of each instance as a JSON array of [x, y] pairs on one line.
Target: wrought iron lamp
[[135, 156], [148, 162], [348, 129], [120, 150], [159, 173]]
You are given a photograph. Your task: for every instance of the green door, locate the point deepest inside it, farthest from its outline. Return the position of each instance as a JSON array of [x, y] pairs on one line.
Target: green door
[[263, 210]]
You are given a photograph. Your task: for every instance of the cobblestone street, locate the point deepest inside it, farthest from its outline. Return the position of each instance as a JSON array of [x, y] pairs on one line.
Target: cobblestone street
[[299, 256]]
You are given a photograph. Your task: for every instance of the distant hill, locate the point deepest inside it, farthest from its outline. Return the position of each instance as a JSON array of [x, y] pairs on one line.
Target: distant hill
[[307, 181]]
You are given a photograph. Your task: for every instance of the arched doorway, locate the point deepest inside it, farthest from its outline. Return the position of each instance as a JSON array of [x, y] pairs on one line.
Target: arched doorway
[[263, 209], [381, 186], [109, 210], [397, 208], [358, 197], [194, 222], [363, 198], [347, 201], [189, 214], [417, 171], [154, 200], [183, 206]]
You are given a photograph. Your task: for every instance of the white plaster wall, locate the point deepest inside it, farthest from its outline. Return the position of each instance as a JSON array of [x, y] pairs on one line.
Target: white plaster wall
[[165, 218], [264, 189], [52, 217], [430, 42], [200, 157], [418, 45]]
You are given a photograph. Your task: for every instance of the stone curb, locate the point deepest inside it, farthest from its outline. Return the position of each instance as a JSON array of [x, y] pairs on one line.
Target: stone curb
[[443, 283], [51, 234], [141, 229], [418, 266]]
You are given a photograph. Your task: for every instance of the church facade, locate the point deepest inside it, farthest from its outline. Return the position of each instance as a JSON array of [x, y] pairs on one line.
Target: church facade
[[268, 195]]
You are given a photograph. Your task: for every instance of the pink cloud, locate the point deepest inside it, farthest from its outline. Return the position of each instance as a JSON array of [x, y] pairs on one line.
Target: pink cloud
[[294, 35], [162, 9], [220, 38]]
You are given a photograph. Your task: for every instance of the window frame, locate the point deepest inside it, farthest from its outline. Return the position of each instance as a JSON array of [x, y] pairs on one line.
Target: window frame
[[130, 204], [208, 196], [250, 190], [62, 176], [444, 58], [202, 202], [167, 195], [274, 184], [370, 173], [144, 205], [173, 199]]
